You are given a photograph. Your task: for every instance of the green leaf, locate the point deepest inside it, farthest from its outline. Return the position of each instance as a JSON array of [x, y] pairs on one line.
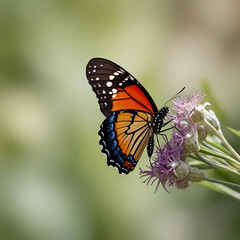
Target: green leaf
[[236, 132]]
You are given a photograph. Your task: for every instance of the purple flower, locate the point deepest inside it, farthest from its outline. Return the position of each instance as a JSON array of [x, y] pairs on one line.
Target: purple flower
[[163, 166], [183, 141], [185, 107]]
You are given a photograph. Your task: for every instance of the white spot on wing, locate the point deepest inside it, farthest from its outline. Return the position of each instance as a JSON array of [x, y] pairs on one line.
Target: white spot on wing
[[103, 91], [116, 74], [132, 78], [97, 78], [120, 84], [114, 90], [94, 70], [109, 84], [111, 77]]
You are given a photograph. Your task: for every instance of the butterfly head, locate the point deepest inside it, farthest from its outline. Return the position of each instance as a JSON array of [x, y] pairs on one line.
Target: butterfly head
[[163, 111]]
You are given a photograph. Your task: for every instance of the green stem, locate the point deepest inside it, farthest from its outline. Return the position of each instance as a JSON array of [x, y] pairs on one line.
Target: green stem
[[228, 160], [221, 182], [222, 138], [217, 164], [230, 148], [199, 164], [212, 142], [193, 156], [212, 147]]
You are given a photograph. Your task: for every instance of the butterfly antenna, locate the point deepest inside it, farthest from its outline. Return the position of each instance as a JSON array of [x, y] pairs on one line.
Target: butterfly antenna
[[174, 96]]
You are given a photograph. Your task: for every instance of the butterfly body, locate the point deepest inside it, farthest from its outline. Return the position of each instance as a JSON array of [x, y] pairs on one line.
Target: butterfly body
[[158, 119], [150, 146], [132, 117]]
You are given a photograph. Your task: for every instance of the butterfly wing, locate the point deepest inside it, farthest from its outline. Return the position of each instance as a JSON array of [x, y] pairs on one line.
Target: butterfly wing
[[116, 89], [123, 136]]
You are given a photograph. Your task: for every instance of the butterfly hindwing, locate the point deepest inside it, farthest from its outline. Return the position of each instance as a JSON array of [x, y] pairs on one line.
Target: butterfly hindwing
[[116, 89], [123, 136]]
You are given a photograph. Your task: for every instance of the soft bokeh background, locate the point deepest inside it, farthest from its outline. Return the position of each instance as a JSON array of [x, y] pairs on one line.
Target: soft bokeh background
[[54, 181]]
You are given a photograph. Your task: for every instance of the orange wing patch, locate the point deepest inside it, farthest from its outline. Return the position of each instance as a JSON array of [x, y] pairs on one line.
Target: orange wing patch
[[131, 97], [124, 117], [133, 132]]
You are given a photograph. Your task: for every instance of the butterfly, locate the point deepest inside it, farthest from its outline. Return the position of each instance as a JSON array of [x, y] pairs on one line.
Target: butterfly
[[132, 117]]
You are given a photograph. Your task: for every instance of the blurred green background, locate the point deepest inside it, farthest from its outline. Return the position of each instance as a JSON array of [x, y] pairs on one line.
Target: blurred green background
[[54, 181]]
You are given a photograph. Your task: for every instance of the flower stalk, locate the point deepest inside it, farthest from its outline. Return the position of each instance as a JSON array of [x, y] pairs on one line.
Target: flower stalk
[[220, 135], [224, 159], [222, 182]]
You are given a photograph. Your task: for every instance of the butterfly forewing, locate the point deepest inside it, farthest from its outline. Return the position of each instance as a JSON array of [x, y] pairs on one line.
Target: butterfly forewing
[[116, 89]]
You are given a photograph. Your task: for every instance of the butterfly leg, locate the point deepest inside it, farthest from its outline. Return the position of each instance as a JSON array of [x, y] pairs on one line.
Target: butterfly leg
[[164, 136], [178, 131], [164, 130], [164, 124]]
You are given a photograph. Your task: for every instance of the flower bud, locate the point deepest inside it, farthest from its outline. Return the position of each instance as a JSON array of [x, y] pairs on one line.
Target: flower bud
[[212, 119], [191, 143], [195, 174], [198, 114], [202, 133], [183, 183], [181, 171]]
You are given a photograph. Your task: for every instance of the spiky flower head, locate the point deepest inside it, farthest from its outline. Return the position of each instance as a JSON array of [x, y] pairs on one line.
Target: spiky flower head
[[168, 168], [167, 160]]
